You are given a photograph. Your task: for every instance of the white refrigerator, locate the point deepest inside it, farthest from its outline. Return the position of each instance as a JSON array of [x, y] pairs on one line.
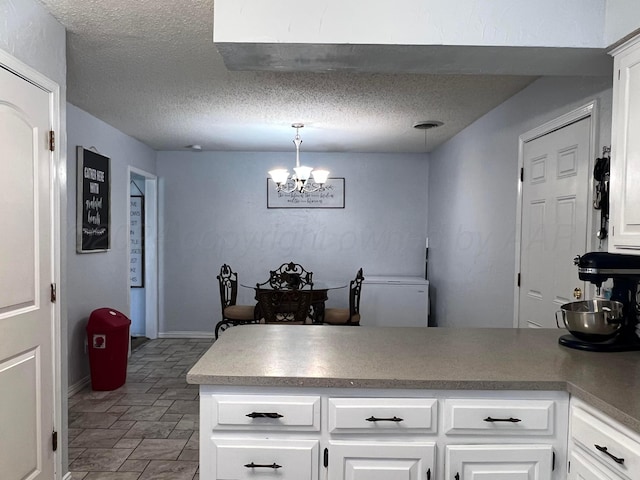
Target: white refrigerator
[[394, 301]]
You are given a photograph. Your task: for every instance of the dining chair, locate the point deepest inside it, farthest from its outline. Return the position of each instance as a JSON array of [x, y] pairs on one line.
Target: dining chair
[[290, 275], [232, 314], [351, 315], [288, 306]]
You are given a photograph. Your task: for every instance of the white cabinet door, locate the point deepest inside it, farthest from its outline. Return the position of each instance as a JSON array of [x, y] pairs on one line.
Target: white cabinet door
[[381, 460], [625, 151], [498, 462], [582, 469]]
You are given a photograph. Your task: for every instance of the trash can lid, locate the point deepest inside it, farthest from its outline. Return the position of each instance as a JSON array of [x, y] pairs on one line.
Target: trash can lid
[[107, 319]]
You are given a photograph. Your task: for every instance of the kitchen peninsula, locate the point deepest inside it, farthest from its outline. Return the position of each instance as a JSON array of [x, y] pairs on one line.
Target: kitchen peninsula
[[275, 388]]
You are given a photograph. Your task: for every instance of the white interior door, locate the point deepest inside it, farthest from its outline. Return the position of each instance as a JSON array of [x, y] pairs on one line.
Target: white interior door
[[554, 221], [26, 311]]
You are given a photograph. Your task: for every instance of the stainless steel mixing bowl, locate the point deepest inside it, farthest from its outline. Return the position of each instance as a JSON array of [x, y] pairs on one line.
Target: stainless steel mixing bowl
[[592, 320]]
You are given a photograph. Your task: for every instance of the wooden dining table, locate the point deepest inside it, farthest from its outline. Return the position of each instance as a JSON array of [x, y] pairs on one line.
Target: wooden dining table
[[319, 295]]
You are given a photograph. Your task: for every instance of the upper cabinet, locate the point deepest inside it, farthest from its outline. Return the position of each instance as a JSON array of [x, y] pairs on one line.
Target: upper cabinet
[[625, 150]]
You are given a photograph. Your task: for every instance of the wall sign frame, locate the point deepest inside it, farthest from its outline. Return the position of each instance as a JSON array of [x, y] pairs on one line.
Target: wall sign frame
[[331, 197], [93, 197], [136, 239]]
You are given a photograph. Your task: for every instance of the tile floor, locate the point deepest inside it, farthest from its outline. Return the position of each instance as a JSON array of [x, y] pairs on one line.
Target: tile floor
[[148, 428]]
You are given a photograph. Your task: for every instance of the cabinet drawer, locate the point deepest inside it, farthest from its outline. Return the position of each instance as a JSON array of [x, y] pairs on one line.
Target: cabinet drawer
[[381, 415], [584, 469], [498, 417], [257, 412], [594, 435], [247, 459]]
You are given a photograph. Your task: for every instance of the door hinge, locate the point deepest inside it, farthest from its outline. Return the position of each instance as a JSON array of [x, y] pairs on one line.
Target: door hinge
[[522, 174], [53, 293], [326, 457], [618, 74], [518, 281], [52, 140], [54, 440]]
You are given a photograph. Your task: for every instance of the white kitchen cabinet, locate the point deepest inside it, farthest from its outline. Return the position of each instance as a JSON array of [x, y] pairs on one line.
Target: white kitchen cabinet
[[499, 462], [381, 460], [625, 150], [608, 445], [381, 434], [388, 301]]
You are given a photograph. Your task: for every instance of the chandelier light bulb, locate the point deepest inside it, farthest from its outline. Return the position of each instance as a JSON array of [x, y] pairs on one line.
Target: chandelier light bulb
[[279, 175]]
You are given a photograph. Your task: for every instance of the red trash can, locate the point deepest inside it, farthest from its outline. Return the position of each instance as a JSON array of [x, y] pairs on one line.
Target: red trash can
[[108, 341]]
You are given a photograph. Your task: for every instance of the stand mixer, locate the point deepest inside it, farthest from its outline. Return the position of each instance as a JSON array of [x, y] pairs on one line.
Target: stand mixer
[[624, 270]]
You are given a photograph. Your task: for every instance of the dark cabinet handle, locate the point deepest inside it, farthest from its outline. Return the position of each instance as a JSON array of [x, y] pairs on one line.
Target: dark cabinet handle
[[510, 419], [275, 466], [605, 451], [429, 474], [264, 415], [376, 419], [457, 477]]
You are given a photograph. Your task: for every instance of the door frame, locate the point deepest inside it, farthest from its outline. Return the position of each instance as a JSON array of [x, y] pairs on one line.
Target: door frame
[[57, 184], [150, 245], [585, 111]]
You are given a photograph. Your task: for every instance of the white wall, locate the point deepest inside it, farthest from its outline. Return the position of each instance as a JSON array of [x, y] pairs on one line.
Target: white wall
[[472, 201], [622, 18], [213, 211], [97, 280], [33, 36]]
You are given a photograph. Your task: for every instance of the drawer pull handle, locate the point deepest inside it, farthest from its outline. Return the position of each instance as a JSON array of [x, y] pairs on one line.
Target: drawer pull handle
[[274, 465], [264, 415], [457, 477], [376, 419], [614, 458], [510, 419]]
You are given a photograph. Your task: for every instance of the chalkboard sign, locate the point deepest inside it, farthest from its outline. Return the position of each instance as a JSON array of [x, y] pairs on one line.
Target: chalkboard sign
[[136, 237], [93, 196]]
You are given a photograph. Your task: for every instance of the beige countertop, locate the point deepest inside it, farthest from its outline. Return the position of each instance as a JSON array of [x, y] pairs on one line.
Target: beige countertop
[[422, 358]]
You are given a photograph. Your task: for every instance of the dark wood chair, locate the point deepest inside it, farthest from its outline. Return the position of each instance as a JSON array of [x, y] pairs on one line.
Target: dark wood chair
[[232, 314], [289, 306], [289, 276], [351, 315]]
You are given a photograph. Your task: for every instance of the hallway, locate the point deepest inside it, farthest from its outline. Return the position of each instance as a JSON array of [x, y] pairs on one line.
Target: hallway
[[148, 428]]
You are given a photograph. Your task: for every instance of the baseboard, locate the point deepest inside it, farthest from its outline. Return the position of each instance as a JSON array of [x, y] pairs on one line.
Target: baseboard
[[186, 335], [76, 387]]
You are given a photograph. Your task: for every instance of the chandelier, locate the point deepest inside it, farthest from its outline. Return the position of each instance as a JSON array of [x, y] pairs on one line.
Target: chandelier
[[300, 180]]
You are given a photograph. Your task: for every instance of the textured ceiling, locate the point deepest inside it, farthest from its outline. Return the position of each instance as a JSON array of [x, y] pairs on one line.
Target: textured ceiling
[[150, 69]]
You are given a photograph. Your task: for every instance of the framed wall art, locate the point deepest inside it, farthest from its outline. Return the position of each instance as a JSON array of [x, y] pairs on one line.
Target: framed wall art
[[136, 238], [93, 196], [332, 196]]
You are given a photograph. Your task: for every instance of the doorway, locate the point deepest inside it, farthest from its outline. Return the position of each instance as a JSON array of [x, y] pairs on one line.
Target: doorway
[[143, 257], [554, 215]]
